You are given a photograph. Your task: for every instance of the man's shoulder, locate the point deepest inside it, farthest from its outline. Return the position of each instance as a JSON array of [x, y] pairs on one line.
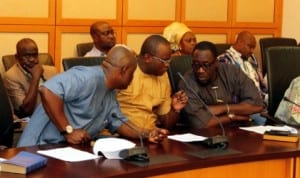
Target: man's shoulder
[[225, 56], [13, 72], [226, 68]]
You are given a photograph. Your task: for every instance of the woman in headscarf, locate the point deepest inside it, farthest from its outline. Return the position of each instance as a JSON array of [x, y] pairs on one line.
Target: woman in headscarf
[[182, 39]]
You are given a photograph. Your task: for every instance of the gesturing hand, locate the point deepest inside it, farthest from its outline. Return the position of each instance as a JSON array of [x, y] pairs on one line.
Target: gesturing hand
[[179, 100], [157, 135]]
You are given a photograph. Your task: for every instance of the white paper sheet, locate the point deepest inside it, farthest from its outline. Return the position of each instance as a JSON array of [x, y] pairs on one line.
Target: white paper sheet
[[187, 137], [68, 154], [262, 129]]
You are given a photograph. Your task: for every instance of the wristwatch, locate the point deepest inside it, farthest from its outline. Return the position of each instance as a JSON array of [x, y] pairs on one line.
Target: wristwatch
[[68, 130]]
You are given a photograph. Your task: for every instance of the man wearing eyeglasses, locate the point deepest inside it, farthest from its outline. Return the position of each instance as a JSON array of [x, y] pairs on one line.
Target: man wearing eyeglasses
[[147, 101], [23, 79], [227, 91], [103, 37]]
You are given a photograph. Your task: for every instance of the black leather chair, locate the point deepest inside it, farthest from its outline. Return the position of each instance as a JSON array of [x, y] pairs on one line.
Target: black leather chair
[[221, 47], [282, 67], [6, 118], [10, 60], [269, 42], [178, 64], [83, 48], [83, 61]]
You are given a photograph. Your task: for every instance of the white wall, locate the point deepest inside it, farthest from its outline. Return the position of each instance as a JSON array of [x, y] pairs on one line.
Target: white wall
[[291, 19]]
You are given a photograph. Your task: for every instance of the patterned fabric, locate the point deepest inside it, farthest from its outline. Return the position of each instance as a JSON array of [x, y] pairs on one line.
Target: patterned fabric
[[146, 97], [289, 108], [248, 66], [88, 104]]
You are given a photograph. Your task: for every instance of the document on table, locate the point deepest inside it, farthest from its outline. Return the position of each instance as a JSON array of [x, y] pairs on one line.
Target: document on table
[[187, 137], [262, 129], [68, 154]]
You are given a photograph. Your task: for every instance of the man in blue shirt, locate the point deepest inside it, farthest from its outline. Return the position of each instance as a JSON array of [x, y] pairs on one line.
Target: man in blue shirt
[[80, 102]]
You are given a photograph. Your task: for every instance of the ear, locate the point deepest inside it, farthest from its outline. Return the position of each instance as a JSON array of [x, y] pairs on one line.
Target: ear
[[123, 70], [147, 58]]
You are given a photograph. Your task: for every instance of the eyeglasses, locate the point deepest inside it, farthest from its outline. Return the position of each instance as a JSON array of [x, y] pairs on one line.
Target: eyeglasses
[[108, 32], [162, 60], [29, 55], [205, 66]]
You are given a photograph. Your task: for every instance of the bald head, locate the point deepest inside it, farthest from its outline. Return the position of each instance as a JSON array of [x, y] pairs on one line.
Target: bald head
[[245, 44], [119, 67], [25, 43], [245, 36], [103, 36], [121, 56], [97, 25]]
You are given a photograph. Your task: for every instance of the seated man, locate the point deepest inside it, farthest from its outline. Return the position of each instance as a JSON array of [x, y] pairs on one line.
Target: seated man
[[22, 80], [241, 55], [147, 101], [228, 92], [79, 103], [103, 37]]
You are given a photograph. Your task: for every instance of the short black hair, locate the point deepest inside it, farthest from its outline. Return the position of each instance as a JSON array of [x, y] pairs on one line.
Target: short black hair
[[151, 43], [206, 45]]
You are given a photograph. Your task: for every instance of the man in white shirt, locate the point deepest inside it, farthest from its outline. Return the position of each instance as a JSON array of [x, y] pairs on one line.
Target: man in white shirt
[[241, 55], [103, 37]]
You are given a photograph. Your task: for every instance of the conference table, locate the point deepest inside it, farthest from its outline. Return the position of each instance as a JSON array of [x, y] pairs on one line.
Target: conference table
[[247, 155]]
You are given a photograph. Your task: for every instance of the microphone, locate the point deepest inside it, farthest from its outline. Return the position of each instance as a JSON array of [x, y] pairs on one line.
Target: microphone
[[290, 101], [219, 141], [137, 153]]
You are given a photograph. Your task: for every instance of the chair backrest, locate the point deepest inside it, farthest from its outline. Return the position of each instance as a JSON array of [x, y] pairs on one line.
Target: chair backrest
[[221, 47], [269, 42], [83, 61], [178, 64], [6, 117], [10, 60], [282, 67], [83, 48]]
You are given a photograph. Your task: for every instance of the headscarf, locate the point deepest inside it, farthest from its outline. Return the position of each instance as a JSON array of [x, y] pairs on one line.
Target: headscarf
[[174, 33]]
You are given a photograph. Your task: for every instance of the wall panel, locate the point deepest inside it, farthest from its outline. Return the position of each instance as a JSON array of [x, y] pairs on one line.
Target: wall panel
[[11, 34], [257, 14], [150, 12], [134, 37], [202, 13], [70, 12], [27, 12], [58, 25]]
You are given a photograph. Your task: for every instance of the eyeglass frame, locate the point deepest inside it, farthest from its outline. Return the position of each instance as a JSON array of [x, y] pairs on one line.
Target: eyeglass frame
[[107, 32], [205, 66], [162, 60]]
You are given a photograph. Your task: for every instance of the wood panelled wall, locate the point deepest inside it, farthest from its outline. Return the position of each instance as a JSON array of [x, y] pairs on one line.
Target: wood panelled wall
[[58, 25]]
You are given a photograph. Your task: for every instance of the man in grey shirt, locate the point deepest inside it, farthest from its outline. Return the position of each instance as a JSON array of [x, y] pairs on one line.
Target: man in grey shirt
[[227, 91]]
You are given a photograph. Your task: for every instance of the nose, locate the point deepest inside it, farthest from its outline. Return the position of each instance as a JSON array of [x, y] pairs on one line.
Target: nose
[[31, 58], [201, 70]]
